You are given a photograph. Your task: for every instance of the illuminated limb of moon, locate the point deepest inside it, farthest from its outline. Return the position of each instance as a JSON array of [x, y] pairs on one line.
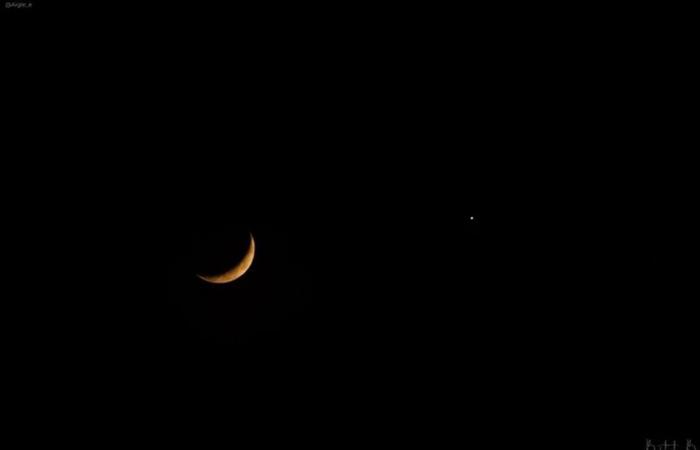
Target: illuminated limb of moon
[[237, 271]]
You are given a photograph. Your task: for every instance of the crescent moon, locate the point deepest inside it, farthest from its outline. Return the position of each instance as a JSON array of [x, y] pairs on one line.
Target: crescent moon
[[237, 271]]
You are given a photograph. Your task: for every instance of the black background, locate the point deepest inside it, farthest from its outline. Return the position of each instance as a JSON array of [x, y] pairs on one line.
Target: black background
[[376, 310]]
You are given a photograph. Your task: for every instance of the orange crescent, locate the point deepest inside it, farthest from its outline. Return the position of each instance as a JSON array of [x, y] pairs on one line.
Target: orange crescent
[[237, 271]]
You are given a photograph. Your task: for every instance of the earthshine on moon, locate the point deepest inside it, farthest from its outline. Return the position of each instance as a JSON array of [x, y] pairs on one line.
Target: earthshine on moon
[[237, 271]]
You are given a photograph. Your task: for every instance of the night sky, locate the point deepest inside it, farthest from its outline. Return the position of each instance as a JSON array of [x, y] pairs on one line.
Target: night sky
[[412, 280], [351, 264]]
